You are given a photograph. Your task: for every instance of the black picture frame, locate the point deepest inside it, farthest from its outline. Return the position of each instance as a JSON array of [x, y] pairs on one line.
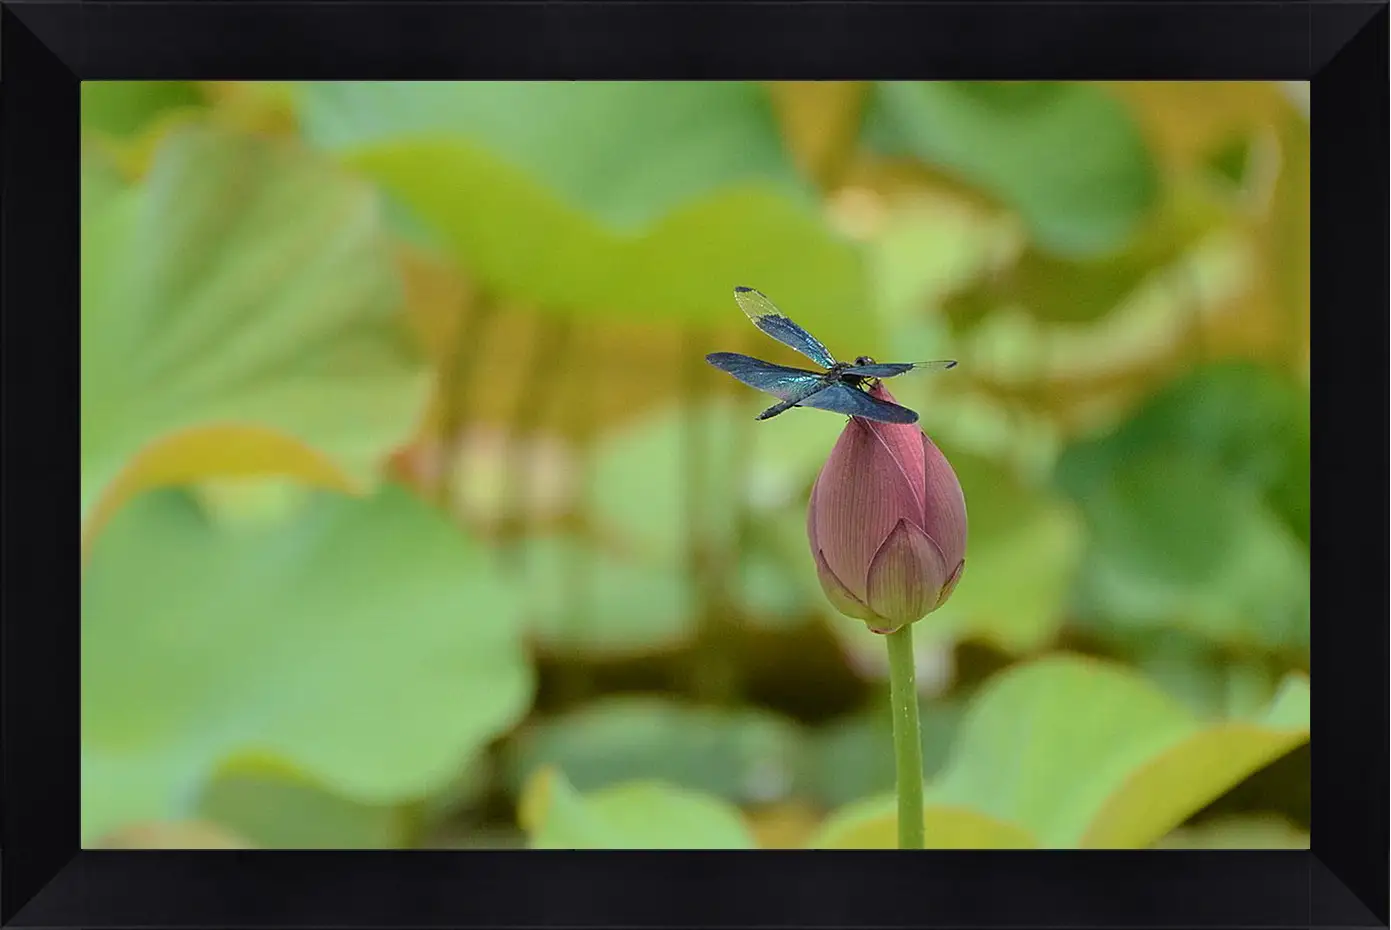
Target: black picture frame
[[46, 48]]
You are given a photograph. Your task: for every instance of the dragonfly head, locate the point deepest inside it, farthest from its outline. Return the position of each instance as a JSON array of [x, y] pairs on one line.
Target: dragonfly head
[[864, 360]]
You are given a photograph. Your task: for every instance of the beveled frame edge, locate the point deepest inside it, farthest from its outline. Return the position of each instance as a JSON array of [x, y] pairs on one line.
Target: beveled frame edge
[[35, 866]]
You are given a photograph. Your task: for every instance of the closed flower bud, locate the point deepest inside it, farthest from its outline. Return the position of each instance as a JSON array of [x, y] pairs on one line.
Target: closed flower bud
[[887, 524]]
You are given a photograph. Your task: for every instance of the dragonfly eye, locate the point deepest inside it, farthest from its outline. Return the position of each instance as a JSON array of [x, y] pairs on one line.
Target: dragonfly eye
[[864, 360]]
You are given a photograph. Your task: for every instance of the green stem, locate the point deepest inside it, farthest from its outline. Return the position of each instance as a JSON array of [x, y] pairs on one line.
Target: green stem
[[908, 747]]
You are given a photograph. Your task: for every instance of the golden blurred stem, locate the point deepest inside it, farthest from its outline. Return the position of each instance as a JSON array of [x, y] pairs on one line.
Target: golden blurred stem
[[820, 123], [454, 370], [908, 747], [573, 681], [713, 677]]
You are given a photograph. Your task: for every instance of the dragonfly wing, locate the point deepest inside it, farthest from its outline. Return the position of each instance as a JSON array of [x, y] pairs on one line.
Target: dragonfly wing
[[889, 369], [842, 398], [794, 399], [768, 318], [779, 380]]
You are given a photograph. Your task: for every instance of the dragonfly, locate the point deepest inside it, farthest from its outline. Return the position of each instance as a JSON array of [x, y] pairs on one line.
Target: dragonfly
[[842, 387]]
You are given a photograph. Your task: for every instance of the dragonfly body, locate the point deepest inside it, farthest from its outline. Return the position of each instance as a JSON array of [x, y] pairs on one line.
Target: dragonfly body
[[841, 386]]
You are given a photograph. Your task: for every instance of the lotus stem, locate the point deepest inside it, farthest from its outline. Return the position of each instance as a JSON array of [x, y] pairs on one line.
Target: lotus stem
[[908, 749]]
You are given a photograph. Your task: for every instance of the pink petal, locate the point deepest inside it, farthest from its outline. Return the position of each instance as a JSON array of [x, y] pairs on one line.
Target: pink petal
[[902, 444], [906, 575], [878, 477], [950, 586], [855, 505], [945, 511], [839, 596]]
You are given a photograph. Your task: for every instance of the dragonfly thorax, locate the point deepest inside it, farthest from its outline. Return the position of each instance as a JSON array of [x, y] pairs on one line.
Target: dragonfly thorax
[[840, 367]]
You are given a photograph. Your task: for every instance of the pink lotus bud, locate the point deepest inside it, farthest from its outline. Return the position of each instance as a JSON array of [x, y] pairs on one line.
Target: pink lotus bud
[[887, 524]]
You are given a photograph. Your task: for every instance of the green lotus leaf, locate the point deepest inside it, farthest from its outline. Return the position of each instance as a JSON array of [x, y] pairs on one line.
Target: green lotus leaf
[[239, 316], [367, 644], [647, 199], [1019, 142], [633, 815], [1081, 752]]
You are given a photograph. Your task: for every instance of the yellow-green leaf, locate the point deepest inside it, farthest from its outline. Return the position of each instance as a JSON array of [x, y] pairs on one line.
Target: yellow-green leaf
[[1086, 753], [631, 815], [285, 810], [240, 315], [873, 824], [1246, 831]]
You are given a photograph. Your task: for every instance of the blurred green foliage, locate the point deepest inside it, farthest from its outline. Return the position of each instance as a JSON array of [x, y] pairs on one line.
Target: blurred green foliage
[[636, 198], [362, 642], [413, 517], [238, 286], [1065, 157]]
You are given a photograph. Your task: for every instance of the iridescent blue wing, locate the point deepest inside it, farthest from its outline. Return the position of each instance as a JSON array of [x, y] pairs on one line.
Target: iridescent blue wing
[[795, 398], [889, 369], [767, 317], [842, 398], [779, 380]]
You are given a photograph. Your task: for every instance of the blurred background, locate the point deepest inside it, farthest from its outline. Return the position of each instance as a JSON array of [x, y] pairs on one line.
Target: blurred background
[[412, 515]]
